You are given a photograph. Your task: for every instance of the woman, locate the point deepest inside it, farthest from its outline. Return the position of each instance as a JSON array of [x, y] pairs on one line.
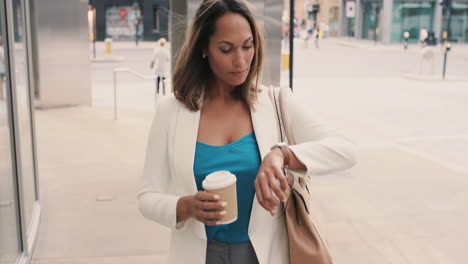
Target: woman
[[160, 61], [220, 118]]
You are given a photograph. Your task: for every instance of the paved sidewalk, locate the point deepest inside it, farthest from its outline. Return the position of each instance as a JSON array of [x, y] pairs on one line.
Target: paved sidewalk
[[417, 213], [405, 201], [89, 169]]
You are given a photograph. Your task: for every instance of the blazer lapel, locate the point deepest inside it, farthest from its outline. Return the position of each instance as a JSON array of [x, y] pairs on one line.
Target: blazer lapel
[[186, 130], [264, 123]]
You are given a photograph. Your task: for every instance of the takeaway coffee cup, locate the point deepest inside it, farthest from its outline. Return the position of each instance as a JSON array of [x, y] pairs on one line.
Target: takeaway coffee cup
[[223, 183]]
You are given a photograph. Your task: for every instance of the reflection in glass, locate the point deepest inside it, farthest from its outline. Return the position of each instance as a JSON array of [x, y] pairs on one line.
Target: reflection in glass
[[411, 17], [459, 23], [122, 23], [372, 16], [351, 23], [9, 230], [23, 109]]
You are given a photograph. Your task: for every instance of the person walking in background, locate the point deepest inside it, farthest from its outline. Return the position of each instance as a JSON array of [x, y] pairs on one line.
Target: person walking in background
[[423, 34], [305, 35], [160, 63], [316, 35], [285, 34]]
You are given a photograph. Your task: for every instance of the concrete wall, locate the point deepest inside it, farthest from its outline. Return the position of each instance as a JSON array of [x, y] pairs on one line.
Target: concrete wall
[[60, 33]]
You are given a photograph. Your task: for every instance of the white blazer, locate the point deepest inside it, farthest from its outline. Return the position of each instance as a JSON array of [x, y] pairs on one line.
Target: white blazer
[[162, 60], [168, 173]]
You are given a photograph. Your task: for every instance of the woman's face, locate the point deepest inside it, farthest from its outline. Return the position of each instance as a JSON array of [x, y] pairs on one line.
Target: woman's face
[[231, 49]]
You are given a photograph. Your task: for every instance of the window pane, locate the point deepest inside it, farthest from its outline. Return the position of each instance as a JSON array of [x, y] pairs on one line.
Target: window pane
[[9, 238], [24, 113]]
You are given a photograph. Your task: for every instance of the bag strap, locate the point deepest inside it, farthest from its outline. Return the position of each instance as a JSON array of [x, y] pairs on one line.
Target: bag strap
[[279, 114], [278, 99]]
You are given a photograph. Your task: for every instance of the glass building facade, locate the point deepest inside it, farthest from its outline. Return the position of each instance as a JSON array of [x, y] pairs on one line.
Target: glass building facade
[[459, 23], [405, 16], [371, 20], [411, 17], [19, 206]]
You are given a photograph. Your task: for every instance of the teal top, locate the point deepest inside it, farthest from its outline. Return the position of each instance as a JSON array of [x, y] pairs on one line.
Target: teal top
[[241, 158]]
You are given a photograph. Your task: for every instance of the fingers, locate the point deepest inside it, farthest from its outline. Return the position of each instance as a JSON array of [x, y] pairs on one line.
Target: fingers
[[210, 205], [282, 179], [274, 186], [206, 196], [264, 194], [260, 198], [208, 208], [271, 185], [210, 218], [267, 194]]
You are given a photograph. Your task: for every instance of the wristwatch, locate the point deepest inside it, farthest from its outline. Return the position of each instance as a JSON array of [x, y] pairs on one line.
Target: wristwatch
[[283, 146]]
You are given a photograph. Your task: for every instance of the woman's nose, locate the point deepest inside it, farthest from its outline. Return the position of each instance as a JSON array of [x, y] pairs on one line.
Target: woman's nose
[[238, 59]]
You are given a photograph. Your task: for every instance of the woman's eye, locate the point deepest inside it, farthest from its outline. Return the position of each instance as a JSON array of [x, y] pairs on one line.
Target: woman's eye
[[225, 51], [248, 47]]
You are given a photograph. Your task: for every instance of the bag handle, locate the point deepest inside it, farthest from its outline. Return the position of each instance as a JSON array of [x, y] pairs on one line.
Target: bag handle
[[295, 183], [276, 98], [279, 114]]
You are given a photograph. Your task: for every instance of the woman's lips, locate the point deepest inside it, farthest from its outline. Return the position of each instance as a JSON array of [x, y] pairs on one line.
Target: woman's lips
[[239, 73]]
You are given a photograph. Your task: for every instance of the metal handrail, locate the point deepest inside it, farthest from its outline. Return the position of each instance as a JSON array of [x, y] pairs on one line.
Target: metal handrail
[[141, 76]]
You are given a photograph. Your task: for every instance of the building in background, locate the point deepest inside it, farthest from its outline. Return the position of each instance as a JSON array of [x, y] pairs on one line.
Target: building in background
[[459, 23], [125, 20], [324, 13], [388, 20]]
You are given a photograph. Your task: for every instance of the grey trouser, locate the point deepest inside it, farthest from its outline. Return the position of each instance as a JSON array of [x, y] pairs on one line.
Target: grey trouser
[[230, 253]]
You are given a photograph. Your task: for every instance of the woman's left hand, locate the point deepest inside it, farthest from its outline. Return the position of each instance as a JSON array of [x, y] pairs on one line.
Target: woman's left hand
[[271, 184]]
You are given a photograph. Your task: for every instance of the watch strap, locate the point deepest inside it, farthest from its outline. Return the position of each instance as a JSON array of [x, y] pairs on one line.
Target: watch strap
[[285, 150]]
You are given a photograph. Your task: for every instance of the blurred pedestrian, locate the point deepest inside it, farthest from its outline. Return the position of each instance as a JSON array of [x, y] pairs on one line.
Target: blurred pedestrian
[[285, 34], [160, 63], [431, 39], [305, 36], [316, 35], [423, 34]]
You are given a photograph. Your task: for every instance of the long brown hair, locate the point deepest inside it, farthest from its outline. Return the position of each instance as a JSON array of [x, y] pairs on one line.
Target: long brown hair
[[192, 73]]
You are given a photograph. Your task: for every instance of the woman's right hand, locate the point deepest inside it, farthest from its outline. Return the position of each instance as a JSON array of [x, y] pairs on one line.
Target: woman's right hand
[[203, 206]]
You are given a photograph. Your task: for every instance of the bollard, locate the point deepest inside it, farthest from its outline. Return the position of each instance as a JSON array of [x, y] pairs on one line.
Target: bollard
[[285, 61], [376, 34], [448, 46], [108, 47]]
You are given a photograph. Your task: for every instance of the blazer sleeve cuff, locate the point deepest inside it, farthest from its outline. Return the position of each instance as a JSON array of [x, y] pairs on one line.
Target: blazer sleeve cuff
[[161, 208], [296, 149], [320, 158]]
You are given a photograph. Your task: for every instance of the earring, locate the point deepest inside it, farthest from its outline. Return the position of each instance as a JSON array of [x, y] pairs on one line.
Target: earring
[[204, 55]]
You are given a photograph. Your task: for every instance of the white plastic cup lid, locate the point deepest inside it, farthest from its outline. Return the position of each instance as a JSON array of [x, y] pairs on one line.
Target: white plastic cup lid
[[218, 180]]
